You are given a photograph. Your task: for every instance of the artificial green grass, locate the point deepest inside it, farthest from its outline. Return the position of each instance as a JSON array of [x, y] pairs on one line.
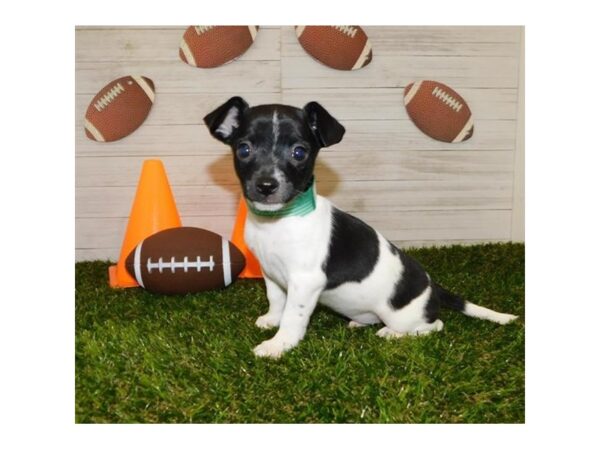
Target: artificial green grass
[[142, 357]]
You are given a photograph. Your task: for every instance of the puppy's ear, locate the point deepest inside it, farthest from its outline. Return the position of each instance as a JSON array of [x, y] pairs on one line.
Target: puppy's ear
[[327, 130], [223, 121]]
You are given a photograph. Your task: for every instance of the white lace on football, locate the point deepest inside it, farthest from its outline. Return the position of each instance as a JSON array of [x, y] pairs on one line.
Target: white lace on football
[[350, 31], [109, 97], [186, 264], [203, 28], [447, 99]]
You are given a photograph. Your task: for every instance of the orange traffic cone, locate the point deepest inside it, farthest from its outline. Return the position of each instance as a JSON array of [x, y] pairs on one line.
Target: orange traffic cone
[[153, 210], [252, 269]]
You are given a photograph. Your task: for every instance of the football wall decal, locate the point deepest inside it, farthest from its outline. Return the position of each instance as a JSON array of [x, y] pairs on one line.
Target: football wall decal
[[184, 260], [212, 46], [119, 108], [343, 47], [438, 111]]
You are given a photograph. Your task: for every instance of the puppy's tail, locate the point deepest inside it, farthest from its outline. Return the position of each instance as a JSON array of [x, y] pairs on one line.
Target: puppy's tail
[[453, 301]]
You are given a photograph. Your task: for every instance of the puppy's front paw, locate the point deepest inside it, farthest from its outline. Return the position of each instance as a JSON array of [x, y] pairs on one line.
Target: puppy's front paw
[[272, 348], [267, 321]]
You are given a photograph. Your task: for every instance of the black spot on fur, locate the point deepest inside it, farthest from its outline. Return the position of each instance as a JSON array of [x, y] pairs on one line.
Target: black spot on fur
[[448, 299], [413, 282], [441, 297], [432, 308], [353, 250]]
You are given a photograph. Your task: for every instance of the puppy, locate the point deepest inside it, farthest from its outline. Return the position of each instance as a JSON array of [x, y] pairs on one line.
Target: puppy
[[309, 250]]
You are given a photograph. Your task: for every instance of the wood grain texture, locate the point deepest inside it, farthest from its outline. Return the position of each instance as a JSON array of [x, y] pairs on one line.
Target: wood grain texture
[[351, 196], [345, 104], [415, 190], [428, 41], [349, 104], [181, 108], [481, 225], [112, 254], [487, 167], [361, 136], [518, 195], [397, 71], [177, 77], [147, 44]]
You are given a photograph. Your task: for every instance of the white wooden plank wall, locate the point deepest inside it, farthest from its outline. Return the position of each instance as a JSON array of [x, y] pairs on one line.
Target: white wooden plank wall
[[413, 189]]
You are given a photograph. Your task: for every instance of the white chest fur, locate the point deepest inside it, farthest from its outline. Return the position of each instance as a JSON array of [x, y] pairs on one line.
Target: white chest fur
[[295, 245]]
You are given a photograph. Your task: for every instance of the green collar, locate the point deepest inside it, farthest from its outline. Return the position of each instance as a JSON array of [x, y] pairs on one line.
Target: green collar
[[300, 206]]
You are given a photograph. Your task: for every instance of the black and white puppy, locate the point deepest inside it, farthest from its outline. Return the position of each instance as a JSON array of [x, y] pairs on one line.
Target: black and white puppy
[[317, 252]]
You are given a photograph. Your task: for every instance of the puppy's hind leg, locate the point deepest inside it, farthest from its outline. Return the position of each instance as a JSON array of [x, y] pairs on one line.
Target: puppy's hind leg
[[363, 320], [410, 320], [355, 324], [420, 330]]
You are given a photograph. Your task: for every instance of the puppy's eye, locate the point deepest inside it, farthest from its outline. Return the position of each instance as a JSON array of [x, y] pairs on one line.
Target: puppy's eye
[[243, 151], [299, 153]]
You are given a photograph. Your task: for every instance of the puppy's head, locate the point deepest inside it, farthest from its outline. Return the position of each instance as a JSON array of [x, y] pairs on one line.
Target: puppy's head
[[274, 146]]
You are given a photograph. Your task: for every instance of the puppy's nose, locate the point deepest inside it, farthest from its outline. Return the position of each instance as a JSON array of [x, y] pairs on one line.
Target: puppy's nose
[[266, 185]]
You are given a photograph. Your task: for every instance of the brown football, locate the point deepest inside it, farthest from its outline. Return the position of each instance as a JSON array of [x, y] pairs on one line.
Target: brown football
[[340, 47], [211, 46], [438, 111], [119, 108], [184, 260]]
